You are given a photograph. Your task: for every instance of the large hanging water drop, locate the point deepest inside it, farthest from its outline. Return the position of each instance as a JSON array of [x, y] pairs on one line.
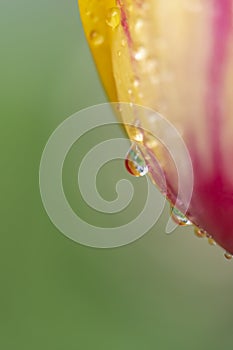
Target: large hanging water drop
[[179, 218], [135, 162]]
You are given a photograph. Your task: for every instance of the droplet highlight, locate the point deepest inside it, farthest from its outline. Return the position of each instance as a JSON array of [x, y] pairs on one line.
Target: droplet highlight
[[179, 218], [139, 25], [135, 163], [113, 17], [140, 53], [136, 82]]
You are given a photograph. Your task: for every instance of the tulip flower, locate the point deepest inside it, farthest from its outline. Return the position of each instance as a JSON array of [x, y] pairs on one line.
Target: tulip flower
[[175, 57]]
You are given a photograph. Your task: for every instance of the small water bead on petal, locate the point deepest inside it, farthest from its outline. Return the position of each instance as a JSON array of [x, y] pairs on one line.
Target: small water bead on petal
[[113, 18], [199, 232], [140, 53], [211, 241], [228, 256], [179, 218], [136, 133], [96, 38], [136, 82], [123, 42], [138, 24], [135, 162], [88, 12]]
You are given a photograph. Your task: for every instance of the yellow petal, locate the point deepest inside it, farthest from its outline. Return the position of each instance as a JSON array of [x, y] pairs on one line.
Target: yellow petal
[[94, 14]]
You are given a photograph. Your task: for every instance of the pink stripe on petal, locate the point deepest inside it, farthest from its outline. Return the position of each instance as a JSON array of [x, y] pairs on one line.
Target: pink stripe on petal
[[222, 23]]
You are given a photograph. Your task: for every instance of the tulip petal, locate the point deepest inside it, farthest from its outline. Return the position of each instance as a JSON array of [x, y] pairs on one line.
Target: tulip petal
[[175, 57]]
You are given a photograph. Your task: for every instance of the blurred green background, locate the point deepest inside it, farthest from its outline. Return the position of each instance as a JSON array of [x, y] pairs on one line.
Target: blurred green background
[[161, 292]]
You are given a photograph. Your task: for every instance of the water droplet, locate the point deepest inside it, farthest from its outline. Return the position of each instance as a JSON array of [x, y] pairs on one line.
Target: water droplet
[[119, 53], [139, 24], [211, 241], [228, 256], [135, 132], [123, 42], [96, 38], [179, 218], [136, 82], [140, 53], [200, 233], [88, 12], [135, 162], [113, 17]]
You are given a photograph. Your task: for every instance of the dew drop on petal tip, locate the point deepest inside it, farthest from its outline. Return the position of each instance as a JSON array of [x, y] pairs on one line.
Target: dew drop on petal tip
[[179, 218], [135, 163], [228, 256], [113, 17]]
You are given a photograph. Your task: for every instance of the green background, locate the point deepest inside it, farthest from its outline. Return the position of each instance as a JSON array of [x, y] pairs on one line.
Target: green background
[[161, 292]]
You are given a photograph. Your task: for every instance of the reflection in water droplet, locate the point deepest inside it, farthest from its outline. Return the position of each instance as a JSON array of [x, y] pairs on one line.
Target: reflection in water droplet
[[228, 256], [135, 162], [179, 218], [199, 232], [113, 17], [96, 38]]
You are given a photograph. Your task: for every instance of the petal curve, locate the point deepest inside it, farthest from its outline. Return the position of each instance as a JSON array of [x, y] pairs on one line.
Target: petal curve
[[175, 57]]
